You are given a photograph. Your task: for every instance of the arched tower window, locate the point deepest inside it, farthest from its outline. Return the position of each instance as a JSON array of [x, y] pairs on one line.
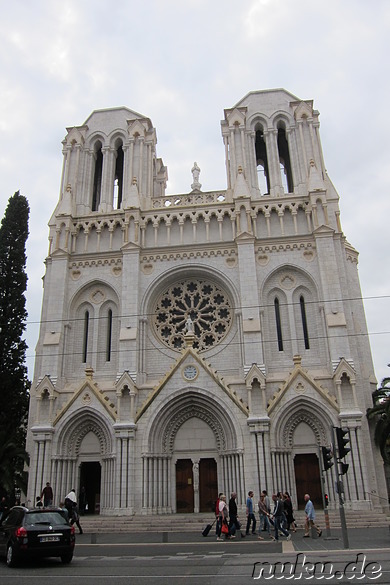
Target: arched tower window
[[278, 324], [109, 335], [304, 322], [284, 160], [262, 162], [118, 178], [85, 336], [97, 179]]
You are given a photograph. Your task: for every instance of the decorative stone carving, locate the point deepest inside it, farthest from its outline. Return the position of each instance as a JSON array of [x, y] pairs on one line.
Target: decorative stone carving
[[202, 302]]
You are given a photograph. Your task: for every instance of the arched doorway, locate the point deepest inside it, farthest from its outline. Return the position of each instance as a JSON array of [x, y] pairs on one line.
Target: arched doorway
[[307, 478], [208, 484], [90, 481]]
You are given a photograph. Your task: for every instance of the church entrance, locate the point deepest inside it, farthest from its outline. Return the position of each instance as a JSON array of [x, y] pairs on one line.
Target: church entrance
[[90, 480], [308, 479], [208, 484], [184, 486], [199, 491]]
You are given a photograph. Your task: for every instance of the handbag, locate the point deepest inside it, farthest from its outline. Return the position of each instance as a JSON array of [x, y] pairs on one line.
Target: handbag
[[225, 528]]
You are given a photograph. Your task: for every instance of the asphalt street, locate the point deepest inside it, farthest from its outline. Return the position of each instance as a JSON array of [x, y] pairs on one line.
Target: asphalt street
[[174, 558]]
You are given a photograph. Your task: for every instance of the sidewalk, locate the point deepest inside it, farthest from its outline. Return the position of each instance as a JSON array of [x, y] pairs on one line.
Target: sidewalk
[[362, 539]]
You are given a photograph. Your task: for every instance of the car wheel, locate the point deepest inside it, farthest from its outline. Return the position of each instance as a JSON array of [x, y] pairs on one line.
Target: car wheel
[[66, 559], [11, 556]]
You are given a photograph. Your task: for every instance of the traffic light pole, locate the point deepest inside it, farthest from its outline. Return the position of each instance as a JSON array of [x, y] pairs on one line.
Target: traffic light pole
[[324, 502], [340, 491]]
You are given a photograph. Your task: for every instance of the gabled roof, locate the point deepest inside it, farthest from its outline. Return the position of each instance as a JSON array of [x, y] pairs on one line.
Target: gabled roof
[[92, 387], [189, 351], [296, 373]]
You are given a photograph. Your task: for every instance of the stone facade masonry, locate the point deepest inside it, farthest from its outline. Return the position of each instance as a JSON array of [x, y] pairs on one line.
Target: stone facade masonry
[[205, 341]]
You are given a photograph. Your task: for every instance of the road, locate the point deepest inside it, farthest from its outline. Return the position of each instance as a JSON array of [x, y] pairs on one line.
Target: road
[[204, 562]]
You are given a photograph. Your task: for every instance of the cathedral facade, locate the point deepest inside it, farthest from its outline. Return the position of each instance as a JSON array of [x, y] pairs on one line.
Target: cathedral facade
[[205, 341]]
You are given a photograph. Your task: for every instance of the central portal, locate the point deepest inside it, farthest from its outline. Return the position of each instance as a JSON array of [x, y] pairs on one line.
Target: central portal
[[190, 488]]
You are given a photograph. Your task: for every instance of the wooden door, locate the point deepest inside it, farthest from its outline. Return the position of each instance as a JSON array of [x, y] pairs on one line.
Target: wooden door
[[308, 479], [184, 486], [208, 484]]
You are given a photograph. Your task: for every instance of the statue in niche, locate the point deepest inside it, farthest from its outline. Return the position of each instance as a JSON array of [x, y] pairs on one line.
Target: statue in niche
[[189, 325]]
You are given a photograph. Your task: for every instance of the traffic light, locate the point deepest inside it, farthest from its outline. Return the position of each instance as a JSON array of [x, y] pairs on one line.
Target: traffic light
[[327, 457], [343, 467], [342, 442]]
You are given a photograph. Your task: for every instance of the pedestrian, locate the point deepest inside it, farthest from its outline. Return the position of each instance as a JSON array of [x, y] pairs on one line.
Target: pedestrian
[[223, 518], [251, 518], [289, 511], [64, 510], [73, 511], [264, 516], [38, 502], [267, 503], [47, 495], [3, 507], [234, 523], [277, 514], [310, 517], [82, 501], [216, 509]]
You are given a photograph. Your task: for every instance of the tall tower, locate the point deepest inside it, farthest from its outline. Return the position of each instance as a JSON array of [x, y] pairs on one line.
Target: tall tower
[[206, 341]]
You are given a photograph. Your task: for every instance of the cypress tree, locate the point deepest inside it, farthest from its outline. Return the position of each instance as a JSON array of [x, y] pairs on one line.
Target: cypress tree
[[14, 383]]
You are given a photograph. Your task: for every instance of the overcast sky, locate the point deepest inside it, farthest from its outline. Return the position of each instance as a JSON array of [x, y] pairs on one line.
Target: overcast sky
[[180, 63]]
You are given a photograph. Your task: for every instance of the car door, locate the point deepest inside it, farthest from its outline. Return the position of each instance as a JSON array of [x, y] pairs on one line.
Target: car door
[[7, 527]]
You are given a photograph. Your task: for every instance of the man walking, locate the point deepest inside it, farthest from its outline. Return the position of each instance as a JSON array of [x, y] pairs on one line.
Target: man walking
[[310, 517], [234, 523], [251, 518], [278, 514], [47, 495]]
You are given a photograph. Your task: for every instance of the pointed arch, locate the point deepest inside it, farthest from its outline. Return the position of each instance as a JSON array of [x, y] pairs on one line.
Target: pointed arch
[[168, 420]]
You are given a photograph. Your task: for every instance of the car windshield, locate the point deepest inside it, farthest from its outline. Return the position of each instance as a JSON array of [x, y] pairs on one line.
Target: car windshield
[[45, 518]]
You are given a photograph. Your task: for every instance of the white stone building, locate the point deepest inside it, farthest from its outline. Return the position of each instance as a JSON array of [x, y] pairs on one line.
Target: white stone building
[[206, 341]]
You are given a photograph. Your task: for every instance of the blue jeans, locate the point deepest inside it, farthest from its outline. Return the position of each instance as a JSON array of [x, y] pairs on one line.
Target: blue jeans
[[265, 523], [278, 526], [251, 518]]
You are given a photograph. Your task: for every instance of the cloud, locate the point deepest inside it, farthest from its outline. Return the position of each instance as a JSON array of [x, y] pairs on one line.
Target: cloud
[[180, 64]]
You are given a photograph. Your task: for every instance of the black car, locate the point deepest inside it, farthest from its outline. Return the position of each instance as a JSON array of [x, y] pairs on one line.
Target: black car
[[36, 533]]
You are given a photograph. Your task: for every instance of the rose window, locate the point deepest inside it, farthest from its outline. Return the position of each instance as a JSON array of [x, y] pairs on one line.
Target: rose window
[[204, 303]]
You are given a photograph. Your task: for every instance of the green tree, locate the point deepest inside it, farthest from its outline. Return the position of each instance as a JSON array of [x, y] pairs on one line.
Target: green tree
[[380, 412], [14, 383]]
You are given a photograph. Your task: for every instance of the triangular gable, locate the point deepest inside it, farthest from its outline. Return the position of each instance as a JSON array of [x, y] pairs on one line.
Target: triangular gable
[[125, 380], [255, 374], [76, 134], [235, 116], [189, 351], [297, 372], [344, 367], [45, 384], [91, 386]]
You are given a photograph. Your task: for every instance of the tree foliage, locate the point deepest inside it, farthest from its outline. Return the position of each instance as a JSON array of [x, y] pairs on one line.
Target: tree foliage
[[14, 383], [380, 412]]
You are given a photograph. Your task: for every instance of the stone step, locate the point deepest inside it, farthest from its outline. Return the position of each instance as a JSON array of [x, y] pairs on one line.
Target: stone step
[[196, 522]]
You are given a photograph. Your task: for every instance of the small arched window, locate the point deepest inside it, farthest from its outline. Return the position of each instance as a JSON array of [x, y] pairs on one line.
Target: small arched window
[[284, 160], [109, 335], [118, 178], [97, 179], [85, 337], [262, 162], [278, 324], [304, 322]]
